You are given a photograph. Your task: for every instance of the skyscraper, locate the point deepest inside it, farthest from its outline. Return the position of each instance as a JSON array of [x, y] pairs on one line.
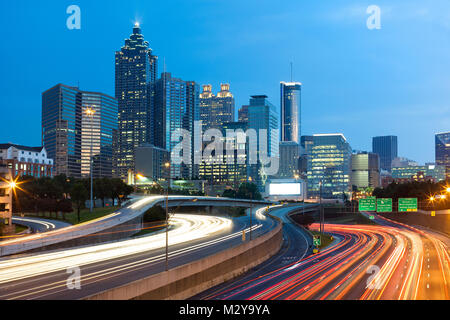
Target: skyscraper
[[136, 67], [215, 110], [442, 149], [174, 105], [290, 111], [365, 170], [243, 114], [329, 161], [72, 136], [262, 115], [386, 147]]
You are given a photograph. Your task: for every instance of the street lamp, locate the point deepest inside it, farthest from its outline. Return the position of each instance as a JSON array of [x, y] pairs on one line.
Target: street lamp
[[90, 113], [167, 166], [251, 209]]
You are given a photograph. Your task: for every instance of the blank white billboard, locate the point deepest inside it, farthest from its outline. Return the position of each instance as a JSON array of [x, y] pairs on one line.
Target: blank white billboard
[[284, 189]]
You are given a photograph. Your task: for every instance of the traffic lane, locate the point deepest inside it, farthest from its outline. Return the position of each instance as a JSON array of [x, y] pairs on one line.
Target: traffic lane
[[109, 274], [40, 224], [295, 247], [435, 265]]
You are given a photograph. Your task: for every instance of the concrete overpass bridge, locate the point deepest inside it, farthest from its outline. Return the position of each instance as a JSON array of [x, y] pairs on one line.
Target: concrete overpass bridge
[[123, 223]]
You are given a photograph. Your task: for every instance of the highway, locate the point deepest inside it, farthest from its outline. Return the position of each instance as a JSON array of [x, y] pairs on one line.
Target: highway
[[40, 224], [374, 262], [191, 237], [127, 215]]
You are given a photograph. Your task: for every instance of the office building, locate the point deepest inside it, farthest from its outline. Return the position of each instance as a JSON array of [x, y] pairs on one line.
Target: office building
[[387, 148], [215, 110], [442, 151], [243, 114], [289, 160], [6, 226], [135, 68], [329, 164], [365, 170], [263, 115], [228, 170], [174, 105], [26, 161], [290, 111], [414, 172], [150, 162], [306, 143], [77, 126]]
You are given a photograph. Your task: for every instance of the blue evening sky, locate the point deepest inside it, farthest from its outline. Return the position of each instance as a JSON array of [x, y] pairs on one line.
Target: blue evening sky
[[357, 81]]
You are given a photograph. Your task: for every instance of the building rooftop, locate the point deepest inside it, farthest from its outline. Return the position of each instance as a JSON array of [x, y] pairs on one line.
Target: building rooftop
[[20, 147]]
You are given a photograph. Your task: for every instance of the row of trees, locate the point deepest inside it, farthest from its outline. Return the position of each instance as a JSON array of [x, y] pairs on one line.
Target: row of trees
[[423, 191], [61, 194], [246, 190]]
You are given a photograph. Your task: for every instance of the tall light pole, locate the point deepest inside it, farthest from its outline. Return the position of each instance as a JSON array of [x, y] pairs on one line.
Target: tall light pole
[[251, 209], [90, 113], [167, 165], [321, 209]]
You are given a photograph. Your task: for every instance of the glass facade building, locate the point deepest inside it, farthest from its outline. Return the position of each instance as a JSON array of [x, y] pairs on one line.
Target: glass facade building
[[135, 68], [291, 111], [442, 150], [329, 162], [263, 115], [215, 110], [231, 170], [175, 105], [61, 128], [365, 170], [437, 172], [68, 132], [387, 148]]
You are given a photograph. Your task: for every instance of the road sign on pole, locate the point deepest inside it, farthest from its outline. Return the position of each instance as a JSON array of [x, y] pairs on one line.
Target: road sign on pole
[[316, 240], [384, 205], [367, 204], [407, 204]]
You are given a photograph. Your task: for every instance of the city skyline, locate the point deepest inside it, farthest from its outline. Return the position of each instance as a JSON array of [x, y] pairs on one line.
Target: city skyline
[[414, 117]]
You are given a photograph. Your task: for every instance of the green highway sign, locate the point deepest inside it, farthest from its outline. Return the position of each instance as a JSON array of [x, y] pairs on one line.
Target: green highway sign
[[371, 217], [316, 241], [384, 205], [368, 204], [407, 204]]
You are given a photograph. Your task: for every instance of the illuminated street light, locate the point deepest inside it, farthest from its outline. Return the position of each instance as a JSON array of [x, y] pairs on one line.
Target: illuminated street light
[[447, 189], [90, 113], [167, 165], [432, 198]]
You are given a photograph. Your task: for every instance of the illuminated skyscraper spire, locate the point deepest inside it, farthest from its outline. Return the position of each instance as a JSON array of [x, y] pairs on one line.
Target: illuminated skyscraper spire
[[136, 67]]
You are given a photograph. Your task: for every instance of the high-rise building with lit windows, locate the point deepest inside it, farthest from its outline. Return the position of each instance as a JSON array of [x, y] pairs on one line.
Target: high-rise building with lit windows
[[78, 126], [291, 111], [174, 105], [442, 151], [329, 164], [387, 148], [215, 110], [136, 67], [263, 115]]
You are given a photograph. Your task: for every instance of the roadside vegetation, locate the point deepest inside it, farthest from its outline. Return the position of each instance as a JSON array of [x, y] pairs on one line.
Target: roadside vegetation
[[65, 198]]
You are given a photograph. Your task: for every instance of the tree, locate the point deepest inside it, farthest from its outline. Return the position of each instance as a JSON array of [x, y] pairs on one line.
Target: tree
[[79, 195], [155, 213], [248, 190], [101, 189], [229, 193]]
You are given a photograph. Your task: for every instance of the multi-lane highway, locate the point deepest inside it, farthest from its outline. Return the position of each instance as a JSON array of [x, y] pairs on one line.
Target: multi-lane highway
[[386, 261], [44, 276]]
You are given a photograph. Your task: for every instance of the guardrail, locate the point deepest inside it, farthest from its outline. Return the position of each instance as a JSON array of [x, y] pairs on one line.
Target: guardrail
[[190, 279], [121, 224]]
